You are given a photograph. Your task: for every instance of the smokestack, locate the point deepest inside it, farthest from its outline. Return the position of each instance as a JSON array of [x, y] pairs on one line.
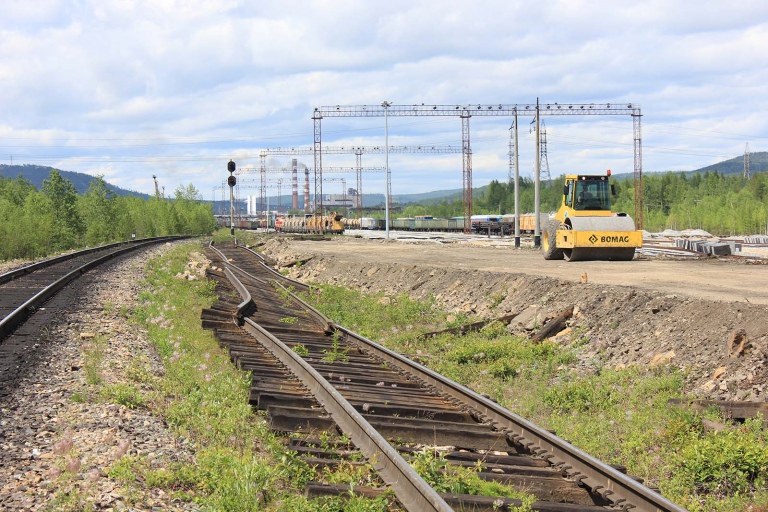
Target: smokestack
[[295, 184], [306, 189]]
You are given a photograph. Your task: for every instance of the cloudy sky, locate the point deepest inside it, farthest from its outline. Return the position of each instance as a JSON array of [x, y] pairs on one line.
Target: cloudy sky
[[132, 88]]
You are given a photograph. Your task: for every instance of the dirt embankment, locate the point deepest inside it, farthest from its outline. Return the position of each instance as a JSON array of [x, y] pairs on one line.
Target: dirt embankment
[[614, 326]]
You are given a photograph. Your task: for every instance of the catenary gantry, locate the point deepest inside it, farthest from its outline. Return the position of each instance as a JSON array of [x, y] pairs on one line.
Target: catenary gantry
[[465, 112]]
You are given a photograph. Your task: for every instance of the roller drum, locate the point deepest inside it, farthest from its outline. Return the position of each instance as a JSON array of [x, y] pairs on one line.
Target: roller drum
[[624, 223], [617, 223]]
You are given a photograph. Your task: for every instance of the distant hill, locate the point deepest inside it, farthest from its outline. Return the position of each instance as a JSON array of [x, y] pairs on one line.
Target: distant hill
[[758, 162], [37, 173]]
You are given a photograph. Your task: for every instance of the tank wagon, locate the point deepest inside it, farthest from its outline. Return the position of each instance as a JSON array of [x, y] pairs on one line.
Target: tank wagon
[[313, 224]]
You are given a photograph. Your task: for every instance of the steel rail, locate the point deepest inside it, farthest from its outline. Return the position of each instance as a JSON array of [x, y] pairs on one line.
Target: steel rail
[[21, 313], [28, 269], [409, 488], [614, 486], [601, 478], [298, 285]]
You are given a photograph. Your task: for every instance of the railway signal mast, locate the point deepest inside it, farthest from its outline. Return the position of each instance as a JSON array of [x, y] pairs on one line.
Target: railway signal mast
[[231, 181]]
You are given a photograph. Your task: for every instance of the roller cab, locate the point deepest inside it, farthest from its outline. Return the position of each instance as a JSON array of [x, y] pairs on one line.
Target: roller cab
[[584, 228]]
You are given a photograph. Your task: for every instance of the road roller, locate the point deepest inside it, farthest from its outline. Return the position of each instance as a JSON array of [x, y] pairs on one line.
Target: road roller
[[585, 228]]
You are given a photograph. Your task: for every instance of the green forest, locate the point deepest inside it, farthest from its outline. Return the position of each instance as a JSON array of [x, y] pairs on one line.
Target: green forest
[[36, 223], [718, 203]]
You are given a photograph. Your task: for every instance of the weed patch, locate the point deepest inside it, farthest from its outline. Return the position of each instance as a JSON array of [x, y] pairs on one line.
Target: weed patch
[[621, 417], [240, 464]]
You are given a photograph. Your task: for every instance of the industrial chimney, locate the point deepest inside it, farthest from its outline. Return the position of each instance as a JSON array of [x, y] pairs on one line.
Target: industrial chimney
[[295, 184]]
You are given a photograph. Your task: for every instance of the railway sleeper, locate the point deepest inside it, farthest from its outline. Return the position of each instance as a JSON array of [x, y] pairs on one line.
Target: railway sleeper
[[218, 324], [370, 376], [338, 444], [279, 387], [290, 419], [375, 383], [543, 483], [405, 430], [322, 452], [463, 502], [216, 315], [391, 399], [262, 400]]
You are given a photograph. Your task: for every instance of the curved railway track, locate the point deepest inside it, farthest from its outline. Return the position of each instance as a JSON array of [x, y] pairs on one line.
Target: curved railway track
[[27, 289], [343, 381]]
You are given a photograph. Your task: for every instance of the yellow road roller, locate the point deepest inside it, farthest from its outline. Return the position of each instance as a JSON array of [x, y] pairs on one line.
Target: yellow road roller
[[584, 228]]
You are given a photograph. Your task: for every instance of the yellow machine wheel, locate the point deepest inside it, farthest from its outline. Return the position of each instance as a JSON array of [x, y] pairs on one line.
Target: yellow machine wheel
[[549, 242]]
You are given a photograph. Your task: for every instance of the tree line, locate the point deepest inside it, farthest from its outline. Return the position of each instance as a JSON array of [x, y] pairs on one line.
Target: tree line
[[35, 223], [718, 203]]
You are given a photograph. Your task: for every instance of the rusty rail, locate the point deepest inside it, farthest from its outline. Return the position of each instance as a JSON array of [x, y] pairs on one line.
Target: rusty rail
[[603, 480]]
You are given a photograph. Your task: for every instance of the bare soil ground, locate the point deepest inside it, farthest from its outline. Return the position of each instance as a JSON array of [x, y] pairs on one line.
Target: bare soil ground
[[645, 312]]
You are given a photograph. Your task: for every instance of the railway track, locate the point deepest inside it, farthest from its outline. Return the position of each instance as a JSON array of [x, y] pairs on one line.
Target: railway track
[[25, 291], [312, 375]]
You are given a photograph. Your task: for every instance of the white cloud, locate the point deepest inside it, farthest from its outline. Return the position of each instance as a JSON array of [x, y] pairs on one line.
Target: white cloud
[[130, 88]]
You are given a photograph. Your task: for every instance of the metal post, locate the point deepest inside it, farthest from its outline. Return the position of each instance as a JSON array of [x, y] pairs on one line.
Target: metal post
[[466, 151], [638, 146], [317, 150], [517, 190], [231, 182], [537, 185], [359, 169], [386, 105]]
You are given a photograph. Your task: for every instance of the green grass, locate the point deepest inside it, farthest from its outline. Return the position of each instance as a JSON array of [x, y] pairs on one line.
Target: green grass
[[93, 356], [239, 464], [620, 417], [123, 394]]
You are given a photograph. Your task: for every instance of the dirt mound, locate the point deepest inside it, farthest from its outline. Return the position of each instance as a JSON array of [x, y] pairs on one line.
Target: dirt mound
[[612, 326]]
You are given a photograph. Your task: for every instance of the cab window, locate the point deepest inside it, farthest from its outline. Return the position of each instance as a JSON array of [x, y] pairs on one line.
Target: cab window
[[592, 195]]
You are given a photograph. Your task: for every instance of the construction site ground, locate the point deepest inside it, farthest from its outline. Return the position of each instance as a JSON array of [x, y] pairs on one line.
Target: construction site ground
[[645, 312]]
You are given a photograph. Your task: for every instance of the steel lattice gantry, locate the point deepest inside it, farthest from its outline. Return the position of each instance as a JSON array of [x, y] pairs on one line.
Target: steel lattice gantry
[[465, 112], [358, 151]]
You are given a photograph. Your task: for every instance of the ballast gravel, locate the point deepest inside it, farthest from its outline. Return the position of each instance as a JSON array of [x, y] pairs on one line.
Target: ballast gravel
[[58, 437]]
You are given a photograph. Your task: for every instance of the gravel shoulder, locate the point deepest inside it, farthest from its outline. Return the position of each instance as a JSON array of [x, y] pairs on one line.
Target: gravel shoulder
[[58, 440]]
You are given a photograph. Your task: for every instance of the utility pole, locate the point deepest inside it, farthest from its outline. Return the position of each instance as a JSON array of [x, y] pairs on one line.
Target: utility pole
[[157, 189], [537, 184], [544, 160], [746, 162], [517, 186], [386, 106]]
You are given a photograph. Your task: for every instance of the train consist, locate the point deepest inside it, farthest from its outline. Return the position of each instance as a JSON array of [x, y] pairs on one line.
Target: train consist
[[484, 224], [334, 223]]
